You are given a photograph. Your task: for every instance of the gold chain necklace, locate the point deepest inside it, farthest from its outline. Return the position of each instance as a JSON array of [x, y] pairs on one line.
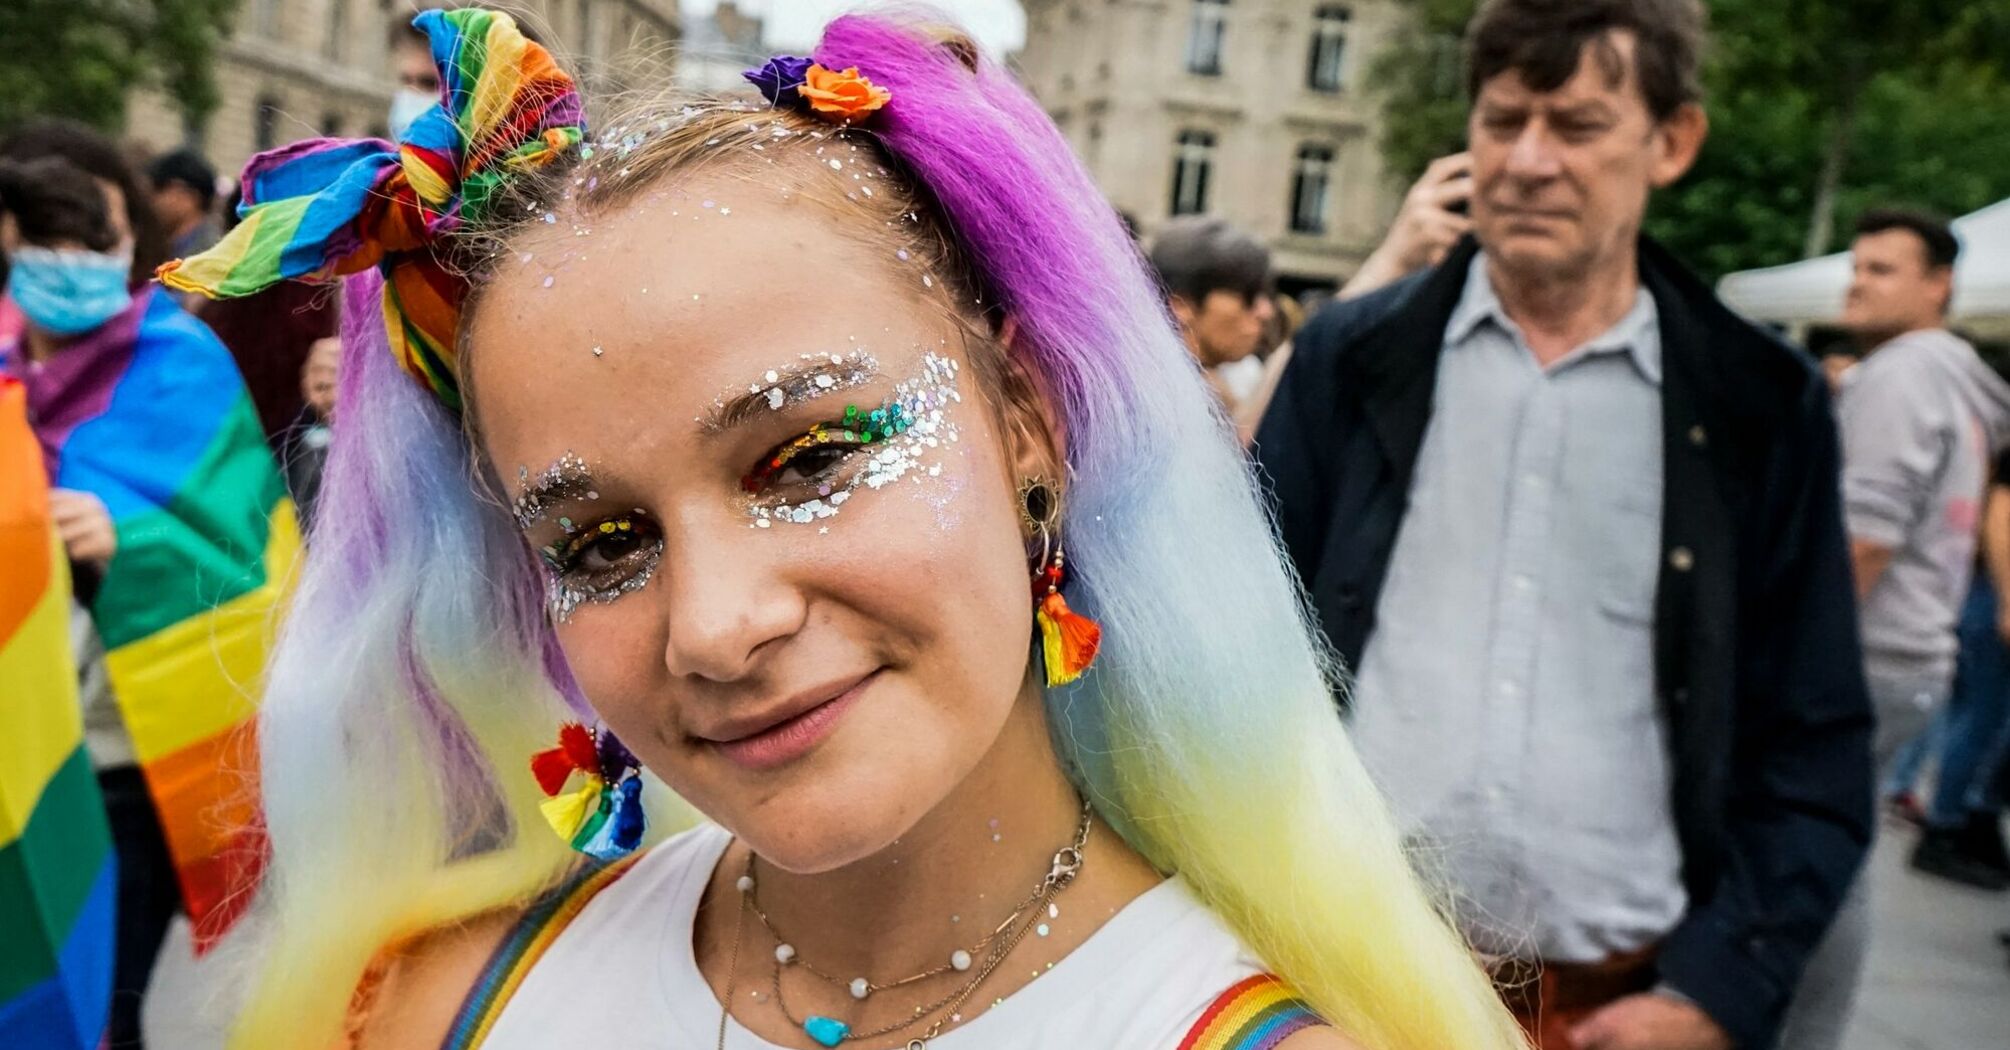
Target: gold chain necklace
[[829, 1032]]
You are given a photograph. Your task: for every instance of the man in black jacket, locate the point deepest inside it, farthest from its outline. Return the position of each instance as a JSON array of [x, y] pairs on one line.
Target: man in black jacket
[[1575, 529]]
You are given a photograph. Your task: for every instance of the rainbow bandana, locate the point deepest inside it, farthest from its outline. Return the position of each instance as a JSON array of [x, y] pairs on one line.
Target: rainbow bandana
[[322, 208], [57, 880]]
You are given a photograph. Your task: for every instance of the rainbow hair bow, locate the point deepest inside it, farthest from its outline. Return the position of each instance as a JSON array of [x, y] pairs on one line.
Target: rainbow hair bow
[[323, 208], [602, 818]]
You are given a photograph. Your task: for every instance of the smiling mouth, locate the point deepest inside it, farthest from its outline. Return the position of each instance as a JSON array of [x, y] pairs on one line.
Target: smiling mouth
[[775, 741]]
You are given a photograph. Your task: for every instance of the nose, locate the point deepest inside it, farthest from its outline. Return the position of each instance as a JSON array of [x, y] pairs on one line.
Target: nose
[[728, 600], [1534, 154]]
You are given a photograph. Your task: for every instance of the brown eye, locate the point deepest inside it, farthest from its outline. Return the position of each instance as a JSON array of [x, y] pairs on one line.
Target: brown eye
[[812, 464]]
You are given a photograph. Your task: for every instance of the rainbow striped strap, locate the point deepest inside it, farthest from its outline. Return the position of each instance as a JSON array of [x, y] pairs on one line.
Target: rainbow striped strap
[[1256, 1014], [527, 942]]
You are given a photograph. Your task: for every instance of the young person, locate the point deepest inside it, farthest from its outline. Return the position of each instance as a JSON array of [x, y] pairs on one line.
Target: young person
[[173, 518], [761, 436]]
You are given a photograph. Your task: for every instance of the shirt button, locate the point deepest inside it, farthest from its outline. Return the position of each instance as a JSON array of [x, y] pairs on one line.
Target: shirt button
[[1494, 793], [1509, 689], [1523, 583], [1681, 560], [1698, 436]]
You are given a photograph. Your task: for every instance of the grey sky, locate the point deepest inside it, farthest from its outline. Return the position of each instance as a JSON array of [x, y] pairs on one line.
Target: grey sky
[[997, 24]]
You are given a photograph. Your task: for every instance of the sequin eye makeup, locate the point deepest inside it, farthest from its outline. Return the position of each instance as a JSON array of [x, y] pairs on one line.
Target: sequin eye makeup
[[594, 561], [599, 562], [808, 478]]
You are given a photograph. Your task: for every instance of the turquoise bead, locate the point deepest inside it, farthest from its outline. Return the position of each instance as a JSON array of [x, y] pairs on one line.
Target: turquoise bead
[[826, 1030]]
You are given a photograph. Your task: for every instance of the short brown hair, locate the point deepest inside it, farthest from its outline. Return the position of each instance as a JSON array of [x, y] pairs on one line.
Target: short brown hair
[[1543, 40]]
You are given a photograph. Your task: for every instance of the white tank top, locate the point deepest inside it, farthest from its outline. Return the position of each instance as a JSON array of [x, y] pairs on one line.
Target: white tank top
[[623, 974]]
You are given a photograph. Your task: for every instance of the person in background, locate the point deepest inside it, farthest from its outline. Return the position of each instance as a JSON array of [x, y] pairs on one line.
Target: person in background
[[1923, 416], [418, 80], [1963, 837], [131, 217], [1575, 528], [168, 505], [1433, 217], [1217, 281], [184, 199], [304, 449]]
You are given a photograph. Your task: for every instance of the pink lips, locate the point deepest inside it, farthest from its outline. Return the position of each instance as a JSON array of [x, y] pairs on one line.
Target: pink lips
[[782, 742]]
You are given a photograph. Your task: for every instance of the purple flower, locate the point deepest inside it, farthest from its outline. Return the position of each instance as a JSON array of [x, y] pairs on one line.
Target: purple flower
[[780, 78]]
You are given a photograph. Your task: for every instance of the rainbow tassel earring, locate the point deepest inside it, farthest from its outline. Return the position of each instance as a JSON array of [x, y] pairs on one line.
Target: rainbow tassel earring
[[1068, 640], [603, 817]]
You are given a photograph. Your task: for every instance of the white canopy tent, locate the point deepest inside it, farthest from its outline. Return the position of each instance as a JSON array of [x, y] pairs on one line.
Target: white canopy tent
[[1811, 291]]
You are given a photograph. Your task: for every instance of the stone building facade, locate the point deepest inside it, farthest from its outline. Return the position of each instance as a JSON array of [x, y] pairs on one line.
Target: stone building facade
[[1254, 110], [294, 69]]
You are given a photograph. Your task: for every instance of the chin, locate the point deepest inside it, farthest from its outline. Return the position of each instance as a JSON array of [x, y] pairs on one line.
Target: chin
[[842, 806]]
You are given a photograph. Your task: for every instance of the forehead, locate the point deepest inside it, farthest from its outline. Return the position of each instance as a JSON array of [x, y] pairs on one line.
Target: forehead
[[1605, 73], [637, 319], [1893, 245]]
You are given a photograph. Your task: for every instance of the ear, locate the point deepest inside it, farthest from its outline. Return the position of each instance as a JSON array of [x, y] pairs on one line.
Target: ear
[[1184, 310], [1942, 279], [1036, 433], [1677, 140]]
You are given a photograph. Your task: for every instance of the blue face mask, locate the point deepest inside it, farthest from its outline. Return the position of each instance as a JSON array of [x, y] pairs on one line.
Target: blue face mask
[[407, 106], [68, 292]]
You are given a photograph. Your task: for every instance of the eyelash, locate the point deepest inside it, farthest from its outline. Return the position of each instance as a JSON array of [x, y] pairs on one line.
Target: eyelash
[[842, 439], [623, 572]]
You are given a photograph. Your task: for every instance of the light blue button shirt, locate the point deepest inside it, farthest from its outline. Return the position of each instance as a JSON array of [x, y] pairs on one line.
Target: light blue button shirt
[[1506, 698]]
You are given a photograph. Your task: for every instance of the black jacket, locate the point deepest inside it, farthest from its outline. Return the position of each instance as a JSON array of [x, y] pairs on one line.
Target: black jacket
[[1757, 668]]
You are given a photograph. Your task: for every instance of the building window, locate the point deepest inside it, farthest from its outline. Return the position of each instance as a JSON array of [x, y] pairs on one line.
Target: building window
[[1311, 182], [1329, 48], [265, 122], [1193, 162], [1204, 39]]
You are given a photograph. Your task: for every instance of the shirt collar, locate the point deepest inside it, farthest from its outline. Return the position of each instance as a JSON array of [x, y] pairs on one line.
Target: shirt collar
[[1638, 334]]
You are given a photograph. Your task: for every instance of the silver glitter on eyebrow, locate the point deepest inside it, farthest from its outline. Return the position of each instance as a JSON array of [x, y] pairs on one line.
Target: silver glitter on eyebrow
[[566, 478], [811, 377]]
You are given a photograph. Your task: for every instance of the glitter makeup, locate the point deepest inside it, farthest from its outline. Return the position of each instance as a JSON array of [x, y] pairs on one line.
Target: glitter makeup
[[878, 446], [566, 478], [629, 553], [811, 377]]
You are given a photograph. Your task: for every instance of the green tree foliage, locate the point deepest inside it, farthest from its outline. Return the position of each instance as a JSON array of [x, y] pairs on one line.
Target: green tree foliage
[[1818, 110], [81, 58]]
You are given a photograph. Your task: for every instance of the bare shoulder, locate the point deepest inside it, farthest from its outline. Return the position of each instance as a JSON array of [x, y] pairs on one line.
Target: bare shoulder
[[1321, 1038], [415, 1001]]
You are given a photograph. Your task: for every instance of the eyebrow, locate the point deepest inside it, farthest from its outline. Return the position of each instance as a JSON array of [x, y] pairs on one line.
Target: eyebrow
[[806, 380], [567, 477]]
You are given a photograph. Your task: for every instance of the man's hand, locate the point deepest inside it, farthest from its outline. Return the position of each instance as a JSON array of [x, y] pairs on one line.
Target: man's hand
[[1425, 228], [1649, 1022], [84, 525]]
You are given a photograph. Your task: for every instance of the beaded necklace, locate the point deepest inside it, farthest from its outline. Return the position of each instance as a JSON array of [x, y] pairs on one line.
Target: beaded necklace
[[985, 956]]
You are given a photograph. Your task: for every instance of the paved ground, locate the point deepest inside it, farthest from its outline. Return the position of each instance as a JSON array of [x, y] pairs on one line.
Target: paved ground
[[1936, 979]]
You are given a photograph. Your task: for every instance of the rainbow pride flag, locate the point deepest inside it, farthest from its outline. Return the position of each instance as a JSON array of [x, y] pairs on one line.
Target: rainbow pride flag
[[58, 882], [149, 414]]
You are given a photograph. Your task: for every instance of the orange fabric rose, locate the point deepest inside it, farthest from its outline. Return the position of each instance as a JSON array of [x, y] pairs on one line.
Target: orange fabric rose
[[844, 97]]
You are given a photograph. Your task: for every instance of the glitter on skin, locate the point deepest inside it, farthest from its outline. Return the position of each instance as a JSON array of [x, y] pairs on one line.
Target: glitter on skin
[[811, 377], [917, 414], [566, 478]]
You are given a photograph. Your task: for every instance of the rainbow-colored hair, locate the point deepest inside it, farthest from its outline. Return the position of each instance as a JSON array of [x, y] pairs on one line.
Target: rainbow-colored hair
[[417, 670]]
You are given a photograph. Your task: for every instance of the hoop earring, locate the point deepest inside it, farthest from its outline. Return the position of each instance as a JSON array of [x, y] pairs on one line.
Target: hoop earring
[[603, 818], [1068, 640]]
